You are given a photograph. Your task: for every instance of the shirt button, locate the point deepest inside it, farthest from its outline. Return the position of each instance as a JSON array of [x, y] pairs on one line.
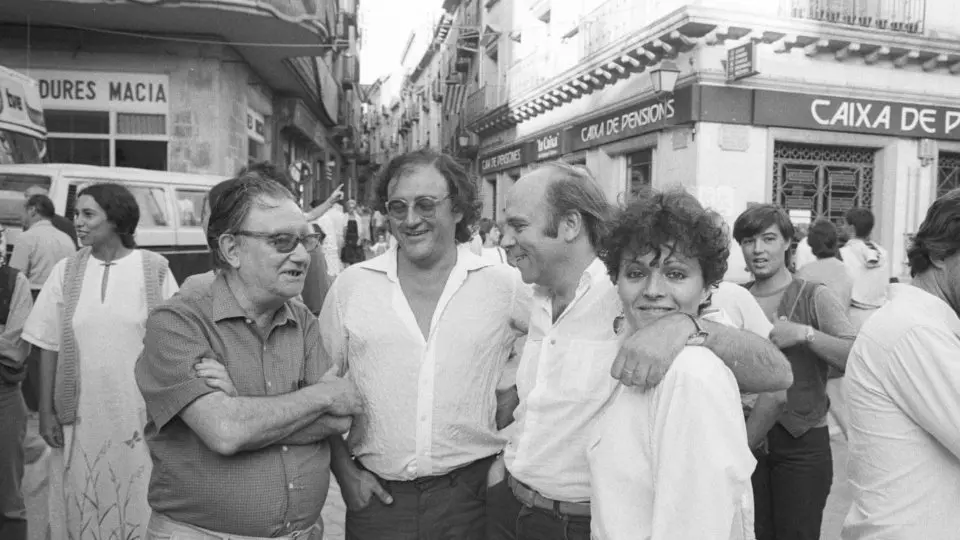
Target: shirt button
[[249, 321], [423, 418], [291, 487], [288, 525], [269, 384], [284, 448], [553, 342]]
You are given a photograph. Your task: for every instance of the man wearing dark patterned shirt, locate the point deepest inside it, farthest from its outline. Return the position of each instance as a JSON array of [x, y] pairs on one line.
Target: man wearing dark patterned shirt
[[245, 453]]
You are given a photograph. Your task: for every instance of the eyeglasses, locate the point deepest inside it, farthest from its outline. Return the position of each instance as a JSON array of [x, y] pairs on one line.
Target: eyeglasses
[[424, 206], [286, 242]]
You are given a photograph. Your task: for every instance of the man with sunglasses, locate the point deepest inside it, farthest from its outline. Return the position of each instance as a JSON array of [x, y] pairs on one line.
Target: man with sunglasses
[[239, 444], [425, 331]]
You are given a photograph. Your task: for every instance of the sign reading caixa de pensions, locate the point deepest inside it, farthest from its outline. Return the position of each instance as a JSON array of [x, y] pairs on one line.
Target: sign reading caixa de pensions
[[503, 159], [856, 115], [634, 120], [94, 90]]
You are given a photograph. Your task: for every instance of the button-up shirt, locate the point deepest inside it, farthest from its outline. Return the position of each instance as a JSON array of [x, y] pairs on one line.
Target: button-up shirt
[[430, 401], [902, 384], [38, 249], [268, 492], [563, 382]]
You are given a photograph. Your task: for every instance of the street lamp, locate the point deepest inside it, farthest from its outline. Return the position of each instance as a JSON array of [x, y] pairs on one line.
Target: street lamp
[[664, 78]]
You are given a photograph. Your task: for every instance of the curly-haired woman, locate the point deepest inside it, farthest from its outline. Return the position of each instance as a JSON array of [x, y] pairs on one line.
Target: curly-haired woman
[[671, 462]]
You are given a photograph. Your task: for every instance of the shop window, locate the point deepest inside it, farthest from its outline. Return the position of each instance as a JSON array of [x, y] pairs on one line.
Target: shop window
[[190, 206], [815, 181], [107, 138], [153, 205], [639, 171], [948, 173]]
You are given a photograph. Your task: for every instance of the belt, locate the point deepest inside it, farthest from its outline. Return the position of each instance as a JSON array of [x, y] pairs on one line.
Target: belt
[[531, 498], [426, 483], [161, 525]]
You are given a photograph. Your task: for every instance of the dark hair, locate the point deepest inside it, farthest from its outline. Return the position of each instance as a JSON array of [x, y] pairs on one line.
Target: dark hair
[[486, 225], [939, 235], [268, 171], [41, 204], [659, 218], [121, 209], [573, 189], [758, 218], [211, 197], [463, 191], [230, 209], [823, 239], [862, 221]]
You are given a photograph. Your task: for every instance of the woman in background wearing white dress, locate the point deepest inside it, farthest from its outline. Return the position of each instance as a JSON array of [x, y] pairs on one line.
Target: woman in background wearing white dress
[[672, 462], [89, 322]]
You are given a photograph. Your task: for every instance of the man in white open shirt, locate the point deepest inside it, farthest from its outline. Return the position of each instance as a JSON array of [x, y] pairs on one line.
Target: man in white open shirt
[[903, 394], [424, 330], [555, 221]]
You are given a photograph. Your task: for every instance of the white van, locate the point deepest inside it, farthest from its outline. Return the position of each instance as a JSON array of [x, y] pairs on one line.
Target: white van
[[170, 205]]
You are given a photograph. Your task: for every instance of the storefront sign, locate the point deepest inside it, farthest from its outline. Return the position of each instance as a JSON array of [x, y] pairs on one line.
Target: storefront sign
[[742, 62], [545, 147], [19, 106], [503, 159], [91, 90], [638, 119], [255, 126], [855, 115]]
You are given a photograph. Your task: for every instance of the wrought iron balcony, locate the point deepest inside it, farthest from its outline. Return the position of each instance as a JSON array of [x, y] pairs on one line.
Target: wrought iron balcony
[[483, 100], [531, 72], [610, 22], [349, 71], [892, 15]]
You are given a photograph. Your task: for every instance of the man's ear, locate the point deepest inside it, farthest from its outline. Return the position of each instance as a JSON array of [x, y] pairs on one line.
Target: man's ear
[[230, 249], [570, 226]]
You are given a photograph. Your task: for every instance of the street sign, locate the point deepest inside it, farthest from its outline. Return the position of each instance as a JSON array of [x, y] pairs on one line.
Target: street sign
[[742, 62]]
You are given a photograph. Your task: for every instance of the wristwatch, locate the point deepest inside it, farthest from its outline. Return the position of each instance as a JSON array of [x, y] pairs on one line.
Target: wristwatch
[[699, 336], [809, 335]]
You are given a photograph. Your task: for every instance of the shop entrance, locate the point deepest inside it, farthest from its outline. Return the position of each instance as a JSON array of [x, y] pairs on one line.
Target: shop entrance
[[948, 173], [822, 181]]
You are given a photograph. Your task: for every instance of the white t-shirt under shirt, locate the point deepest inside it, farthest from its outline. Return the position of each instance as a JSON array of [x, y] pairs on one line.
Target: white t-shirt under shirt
[[673, 462]]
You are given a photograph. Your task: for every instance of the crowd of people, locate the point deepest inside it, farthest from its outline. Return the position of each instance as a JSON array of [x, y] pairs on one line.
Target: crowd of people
[[651, 398]]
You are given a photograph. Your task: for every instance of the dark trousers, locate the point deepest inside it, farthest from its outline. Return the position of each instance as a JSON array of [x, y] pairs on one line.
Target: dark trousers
[[13, 428], [31, 385], [448, 507], [791, 485], [509, 519]]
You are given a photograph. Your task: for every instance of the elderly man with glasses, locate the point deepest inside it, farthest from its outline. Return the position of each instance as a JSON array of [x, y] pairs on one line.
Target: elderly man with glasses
[[425, 331], [240, 398]]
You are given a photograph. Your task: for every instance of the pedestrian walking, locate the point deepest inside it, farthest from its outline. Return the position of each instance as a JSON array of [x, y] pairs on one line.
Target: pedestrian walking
[[239, 398], [88, 321]]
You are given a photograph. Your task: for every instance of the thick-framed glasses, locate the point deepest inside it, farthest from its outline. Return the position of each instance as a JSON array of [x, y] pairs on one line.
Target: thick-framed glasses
[[286, 242], [425, 206]]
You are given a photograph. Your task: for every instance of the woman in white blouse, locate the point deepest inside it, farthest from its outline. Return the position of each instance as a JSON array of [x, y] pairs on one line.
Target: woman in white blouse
[[671, 463]]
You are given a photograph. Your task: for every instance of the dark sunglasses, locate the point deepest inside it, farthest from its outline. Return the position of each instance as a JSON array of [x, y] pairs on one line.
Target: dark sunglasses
[[286, 242], [424, 206]]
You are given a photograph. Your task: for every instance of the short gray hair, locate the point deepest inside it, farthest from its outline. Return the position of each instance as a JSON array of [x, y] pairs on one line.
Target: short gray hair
[[573, 189], [229, 211]]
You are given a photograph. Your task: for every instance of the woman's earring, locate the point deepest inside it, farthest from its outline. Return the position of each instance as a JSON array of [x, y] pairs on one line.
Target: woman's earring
[[618, 324]]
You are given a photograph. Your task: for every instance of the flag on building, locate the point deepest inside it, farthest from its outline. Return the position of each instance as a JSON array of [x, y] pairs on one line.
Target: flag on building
[[456, 94]]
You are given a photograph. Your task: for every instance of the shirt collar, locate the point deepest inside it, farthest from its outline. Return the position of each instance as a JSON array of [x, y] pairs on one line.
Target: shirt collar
[[226, 306], [41, 223], [467, 262], [596, 272]]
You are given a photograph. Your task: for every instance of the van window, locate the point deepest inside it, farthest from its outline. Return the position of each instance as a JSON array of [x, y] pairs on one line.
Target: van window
[[153, 206], [12, 188], [190, 206]]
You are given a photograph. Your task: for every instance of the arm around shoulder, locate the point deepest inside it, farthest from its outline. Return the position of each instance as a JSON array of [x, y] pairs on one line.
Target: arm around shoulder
[[758, 365]]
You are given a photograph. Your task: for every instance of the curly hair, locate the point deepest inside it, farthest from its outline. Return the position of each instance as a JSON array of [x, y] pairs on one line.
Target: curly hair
[[659, 218], [463, 191]]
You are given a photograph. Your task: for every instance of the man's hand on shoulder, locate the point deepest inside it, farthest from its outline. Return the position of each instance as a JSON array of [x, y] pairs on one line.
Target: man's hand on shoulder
[[645, 357]]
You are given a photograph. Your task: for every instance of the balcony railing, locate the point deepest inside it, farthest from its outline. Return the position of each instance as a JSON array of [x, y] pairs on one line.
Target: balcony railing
[[349, 71], [894, 15], [530, 72], [483, 100], [611, 21]]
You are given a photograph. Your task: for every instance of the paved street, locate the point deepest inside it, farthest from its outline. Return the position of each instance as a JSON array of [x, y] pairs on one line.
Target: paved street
[[837, 504]]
